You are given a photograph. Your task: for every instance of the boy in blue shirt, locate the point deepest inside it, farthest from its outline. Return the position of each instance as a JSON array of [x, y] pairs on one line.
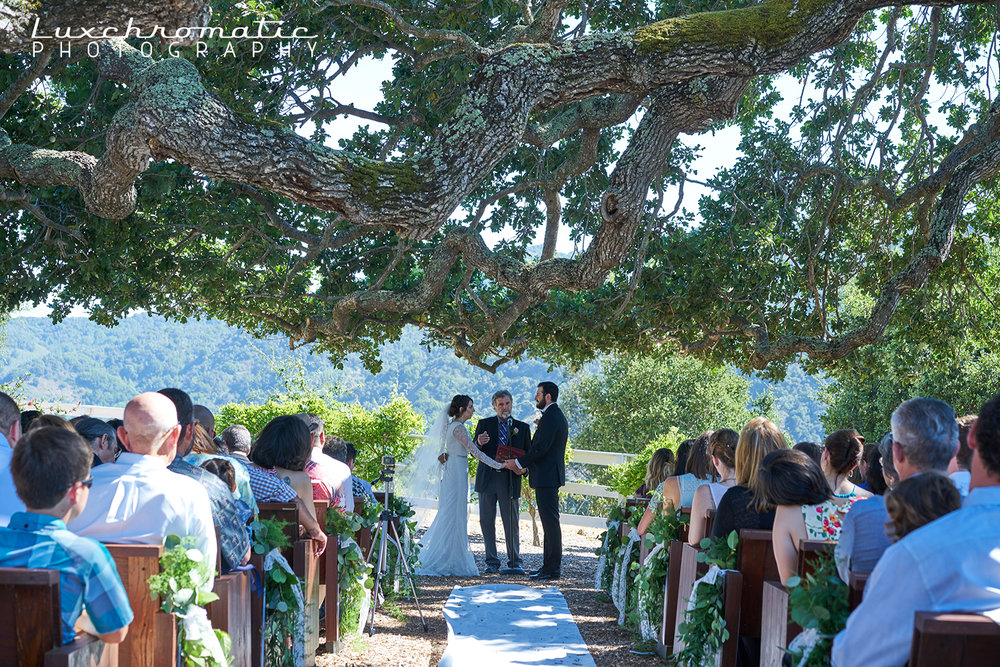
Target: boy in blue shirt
[[51, 471]]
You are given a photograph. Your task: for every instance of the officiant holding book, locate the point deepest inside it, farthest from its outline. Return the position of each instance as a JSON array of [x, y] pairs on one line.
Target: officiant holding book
[[501, 438]]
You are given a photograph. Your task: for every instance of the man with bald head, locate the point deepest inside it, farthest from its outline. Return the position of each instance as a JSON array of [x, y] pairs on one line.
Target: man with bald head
[[136, 499]]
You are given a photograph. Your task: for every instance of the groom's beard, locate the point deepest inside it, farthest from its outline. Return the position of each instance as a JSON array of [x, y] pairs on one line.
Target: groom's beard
[[540, 405]]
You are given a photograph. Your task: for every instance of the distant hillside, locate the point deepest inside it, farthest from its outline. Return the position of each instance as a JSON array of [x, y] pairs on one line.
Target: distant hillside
[[77, 360]]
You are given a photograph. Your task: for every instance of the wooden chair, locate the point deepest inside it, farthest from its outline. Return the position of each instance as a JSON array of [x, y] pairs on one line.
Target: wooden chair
[[856, 588], [31, 625], [330, 584], [953, 639], [288, 512], [231, 613], [665, 639], [152, 636], [777, 628], [687, 573], [682, 534], [632, 506]]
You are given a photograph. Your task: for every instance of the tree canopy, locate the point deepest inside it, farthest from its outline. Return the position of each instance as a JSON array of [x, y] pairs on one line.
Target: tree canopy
[[190, 174]]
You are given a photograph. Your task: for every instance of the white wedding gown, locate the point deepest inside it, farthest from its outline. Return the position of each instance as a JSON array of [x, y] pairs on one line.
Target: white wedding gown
[[444, 548]]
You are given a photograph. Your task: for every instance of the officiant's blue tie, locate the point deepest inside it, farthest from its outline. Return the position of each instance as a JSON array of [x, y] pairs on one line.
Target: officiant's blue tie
[[503, 432]]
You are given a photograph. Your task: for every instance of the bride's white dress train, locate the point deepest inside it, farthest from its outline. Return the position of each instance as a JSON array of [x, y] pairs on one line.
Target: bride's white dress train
[[444, 548]]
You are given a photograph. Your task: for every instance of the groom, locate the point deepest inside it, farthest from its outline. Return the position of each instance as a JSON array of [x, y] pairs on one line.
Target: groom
[[496, 436], [546, 464]]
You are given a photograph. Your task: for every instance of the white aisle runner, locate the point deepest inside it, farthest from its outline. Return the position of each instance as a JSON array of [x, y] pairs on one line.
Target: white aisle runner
[[495, 625]]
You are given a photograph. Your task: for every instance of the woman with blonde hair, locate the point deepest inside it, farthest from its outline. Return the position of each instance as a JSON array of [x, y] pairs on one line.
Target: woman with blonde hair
[[722, 446], [659, 467], [744, 506]]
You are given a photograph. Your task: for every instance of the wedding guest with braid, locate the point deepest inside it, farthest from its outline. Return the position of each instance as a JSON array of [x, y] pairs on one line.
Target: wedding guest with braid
[[722, 445]]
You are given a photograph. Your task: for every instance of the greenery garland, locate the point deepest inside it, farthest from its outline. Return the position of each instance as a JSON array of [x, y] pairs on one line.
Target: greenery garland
[[610, 544], [281, 602], [650, 576], [352, 570], [818, 601], [411, 548], [184, 571], [704, 628], [623, 595]]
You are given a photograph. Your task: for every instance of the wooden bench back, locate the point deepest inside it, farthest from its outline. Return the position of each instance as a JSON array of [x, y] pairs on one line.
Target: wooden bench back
[[856, 588], [683, 533], [283, 512], [709, 521], [953, 639], [305, 564], [632, 506], [364, 536], [670, 594], [755, 559], [231, 613], [152, 636], [810, 552], [687, 573], [329, 584], [31, 624], [732, 586]]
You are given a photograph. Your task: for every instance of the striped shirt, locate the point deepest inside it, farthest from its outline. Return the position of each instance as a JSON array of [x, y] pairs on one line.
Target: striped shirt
[[88, 577]]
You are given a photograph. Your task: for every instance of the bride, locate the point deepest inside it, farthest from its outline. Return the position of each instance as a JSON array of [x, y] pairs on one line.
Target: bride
[[445, 546]]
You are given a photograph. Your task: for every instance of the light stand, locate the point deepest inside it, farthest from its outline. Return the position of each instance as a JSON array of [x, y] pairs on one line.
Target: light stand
[[385, 531]]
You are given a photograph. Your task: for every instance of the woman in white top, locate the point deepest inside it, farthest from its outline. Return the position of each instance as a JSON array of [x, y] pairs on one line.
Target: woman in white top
[[722, 445], [444, 548]]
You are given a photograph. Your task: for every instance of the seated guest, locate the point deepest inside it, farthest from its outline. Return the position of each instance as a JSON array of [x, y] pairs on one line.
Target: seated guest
[[282, 449], [10, 431], [226, 472], [659, 467], [204, 449], [42, 421], [958, 467], [950, 564], [136, 499], [330, 477], [237, 440], [51, 470], [918, 501], [744, 506], [924, 438], [234, 541], [678, 491], [806, 509], [860, 476], [346, 453], [266, 487], [874, 477], [841, 456], [683, 451], [27, 417], [814, 451], [101, 438], [722, 444]]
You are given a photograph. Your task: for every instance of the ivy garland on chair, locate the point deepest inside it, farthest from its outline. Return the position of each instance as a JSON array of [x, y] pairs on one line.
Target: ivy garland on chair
[[184, 571], [352, 570], [610, 544], [818, 603], [284, 622], [650, 577], [704, 631]]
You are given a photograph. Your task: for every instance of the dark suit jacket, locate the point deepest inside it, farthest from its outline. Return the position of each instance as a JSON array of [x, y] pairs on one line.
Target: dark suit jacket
[[521, 440], [546, 459]]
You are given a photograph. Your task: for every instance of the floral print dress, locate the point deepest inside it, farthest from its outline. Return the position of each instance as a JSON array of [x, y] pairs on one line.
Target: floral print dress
[[823, 521]]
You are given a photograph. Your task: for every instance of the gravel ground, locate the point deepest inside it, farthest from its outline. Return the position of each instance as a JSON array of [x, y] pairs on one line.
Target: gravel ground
[[400, 641]]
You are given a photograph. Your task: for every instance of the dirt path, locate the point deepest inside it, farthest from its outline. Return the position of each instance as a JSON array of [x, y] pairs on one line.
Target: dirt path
[[399, 638]]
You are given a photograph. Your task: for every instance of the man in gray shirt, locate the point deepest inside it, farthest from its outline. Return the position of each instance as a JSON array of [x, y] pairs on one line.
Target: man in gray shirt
[[924, 438]]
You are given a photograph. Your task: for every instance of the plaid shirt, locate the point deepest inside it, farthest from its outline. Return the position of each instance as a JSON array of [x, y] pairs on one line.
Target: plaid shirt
[[243, 491], [267, 487], [234, 541], [87, 574]]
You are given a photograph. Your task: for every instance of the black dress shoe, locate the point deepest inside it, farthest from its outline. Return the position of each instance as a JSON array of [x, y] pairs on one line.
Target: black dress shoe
[[544, 576], [512, 570], [535, 572], [492, 569]]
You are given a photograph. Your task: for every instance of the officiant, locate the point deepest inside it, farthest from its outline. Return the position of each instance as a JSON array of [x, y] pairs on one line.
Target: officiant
[[501, 437]]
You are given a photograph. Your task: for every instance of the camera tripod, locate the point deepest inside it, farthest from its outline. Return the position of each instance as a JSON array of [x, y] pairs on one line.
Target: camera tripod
[[385, 532]]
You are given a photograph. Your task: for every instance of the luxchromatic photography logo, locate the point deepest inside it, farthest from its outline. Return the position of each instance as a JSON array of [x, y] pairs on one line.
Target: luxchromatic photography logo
[[205, 41]]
